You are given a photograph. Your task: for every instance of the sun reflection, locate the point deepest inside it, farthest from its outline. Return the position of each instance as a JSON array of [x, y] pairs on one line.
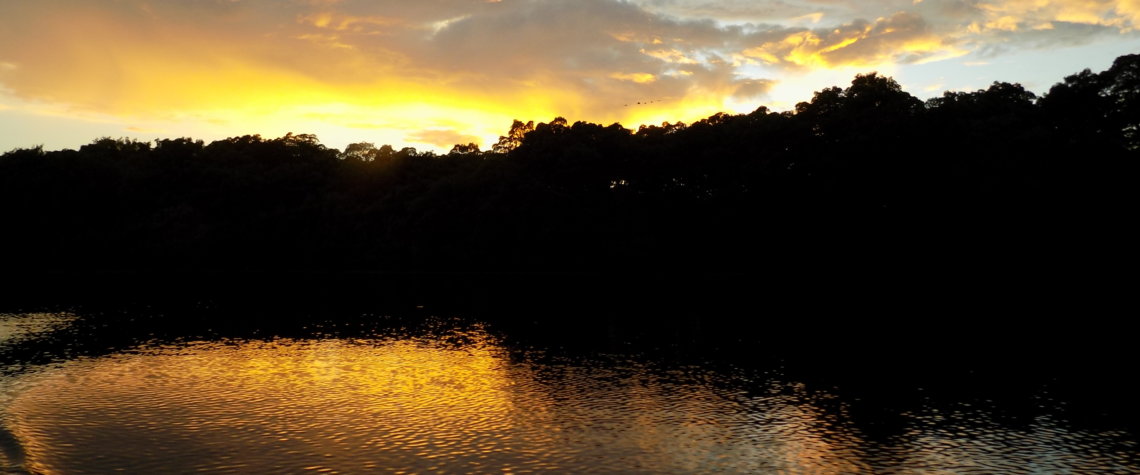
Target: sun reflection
[[402, 404], [15, 327], [358, 404], [459, 401]]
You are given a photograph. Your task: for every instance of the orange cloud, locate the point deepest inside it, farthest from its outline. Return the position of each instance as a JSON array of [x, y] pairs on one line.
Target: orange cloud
[[640, 78], [443, 137], [903, 37], [1014, 15], [328, 66], [262, 66], [670, 55]]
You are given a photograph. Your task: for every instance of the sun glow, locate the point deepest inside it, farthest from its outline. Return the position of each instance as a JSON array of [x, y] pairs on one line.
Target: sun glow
[[412, 74]]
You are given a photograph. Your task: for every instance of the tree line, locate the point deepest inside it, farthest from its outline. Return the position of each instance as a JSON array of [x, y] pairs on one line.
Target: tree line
[[859, 175]]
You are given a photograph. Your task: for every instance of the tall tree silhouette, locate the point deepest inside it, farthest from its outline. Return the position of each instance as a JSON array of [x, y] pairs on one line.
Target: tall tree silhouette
[[865, 170]]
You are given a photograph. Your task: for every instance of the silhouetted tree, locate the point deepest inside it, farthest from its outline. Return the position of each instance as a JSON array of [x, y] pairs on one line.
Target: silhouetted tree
[[866, 170], [361, 151], [514, 137], [460, 149]]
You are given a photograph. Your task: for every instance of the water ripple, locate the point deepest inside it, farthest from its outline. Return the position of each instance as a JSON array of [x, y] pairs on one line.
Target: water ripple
[[463, 403]]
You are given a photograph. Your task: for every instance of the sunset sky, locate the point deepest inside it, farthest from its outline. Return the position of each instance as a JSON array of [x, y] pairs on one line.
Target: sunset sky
[[432, 73]]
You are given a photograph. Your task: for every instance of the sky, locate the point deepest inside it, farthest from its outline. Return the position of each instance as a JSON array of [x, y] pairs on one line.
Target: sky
[[433, 73]]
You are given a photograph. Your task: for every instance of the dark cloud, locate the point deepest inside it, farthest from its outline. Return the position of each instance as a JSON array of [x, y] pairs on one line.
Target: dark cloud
[[732, 10], [1058, 35], [777, 11], [601, 52], [905, 37], [752, 88]]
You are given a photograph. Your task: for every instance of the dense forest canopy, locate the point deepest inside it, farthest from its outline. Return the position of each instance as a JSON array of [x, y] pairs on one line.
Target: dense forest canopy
[[862, 173]]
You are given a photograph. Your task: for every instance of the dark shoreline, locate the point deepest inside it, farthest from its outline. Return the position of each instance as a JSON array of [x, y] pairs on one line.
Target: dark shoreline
[[960, 313], [978, 342]]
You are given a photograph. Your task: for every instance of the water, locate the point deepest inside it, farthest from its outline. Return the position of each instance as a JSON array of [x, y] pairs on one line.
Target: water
[[101, 393]]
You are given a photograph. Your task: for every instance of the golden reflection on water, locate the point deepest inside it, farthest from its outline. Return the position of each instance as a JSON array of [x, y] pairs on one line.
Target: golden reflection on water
[[983, 446], [404, 405], [15, 327]]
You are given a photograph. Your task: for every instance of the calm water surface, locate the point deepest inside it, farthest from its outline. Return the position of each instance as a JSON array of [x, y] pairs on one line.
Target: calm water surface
[[459, 397]]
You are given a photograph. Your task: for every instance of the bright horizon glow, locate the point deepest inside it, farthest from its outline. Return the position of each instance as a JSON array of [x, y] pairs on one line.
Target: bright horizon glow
[[408, 74]]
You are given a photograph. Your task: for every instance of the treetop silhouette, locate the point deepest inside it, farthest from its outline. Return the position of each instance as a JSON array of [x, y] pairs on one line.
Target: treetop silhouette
[[844, 174]]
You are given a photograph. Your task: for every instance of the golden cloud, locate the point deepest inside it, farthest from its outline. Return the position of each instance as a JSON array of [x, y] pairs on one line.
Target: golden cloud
[[468, 66], [640, 78], [669, 55], [1014, 15], [903, 37]]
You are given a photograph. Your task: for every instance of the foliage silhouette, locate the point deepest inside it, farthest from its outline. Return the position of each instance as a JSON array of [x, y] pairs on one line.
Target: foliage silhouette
[[860, 177]]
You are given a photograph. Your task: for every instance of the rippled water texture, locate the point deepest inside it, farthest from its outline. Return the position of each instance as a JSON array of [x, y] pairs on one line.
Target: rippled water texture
[[460, 402], [17, 327]]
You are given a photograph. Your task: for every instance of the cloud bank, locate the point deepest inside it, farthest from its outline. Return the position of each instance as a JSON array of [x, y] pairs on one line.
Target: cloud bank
[[462, 69]]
